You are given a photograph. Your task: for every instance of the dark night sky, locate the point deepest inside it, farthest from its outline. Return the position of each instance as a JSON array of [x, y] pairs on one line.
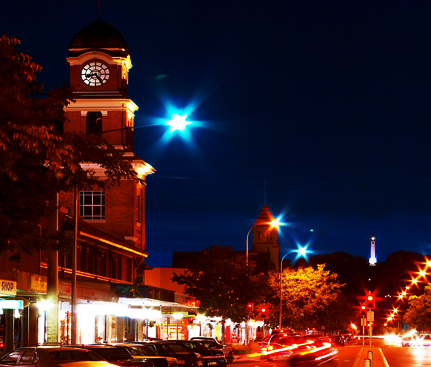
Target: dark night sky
[[325, 101]]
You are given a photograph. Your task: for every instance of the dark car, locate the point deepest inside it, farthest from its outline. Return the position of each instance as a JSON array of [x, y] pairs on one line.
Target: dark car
[[116, 355], [168, 348], [214, 344], [142, 352], [210, 357], [53, 357]]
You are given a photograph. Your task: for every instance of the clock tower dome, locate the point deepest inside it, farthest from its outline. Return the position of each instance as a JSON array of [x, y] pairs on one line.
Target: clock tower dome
[[99, 72]]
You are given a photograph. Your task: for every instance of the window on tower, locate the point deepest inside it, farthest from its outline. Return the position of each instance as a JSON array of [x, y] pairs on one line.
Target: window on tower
[[92, 205], [94, 123], [138, 209]]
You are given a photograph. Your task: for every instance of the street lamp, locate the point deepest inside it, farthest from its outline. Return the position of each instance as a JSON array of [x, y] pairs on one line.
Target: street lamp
[[274, 223], [301, 252]]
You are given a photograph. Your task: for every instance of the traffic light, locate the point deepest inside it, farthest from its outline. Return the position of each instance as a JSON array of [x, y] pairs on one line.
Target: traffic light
[[263, 313], [371, 304], [363, 309]]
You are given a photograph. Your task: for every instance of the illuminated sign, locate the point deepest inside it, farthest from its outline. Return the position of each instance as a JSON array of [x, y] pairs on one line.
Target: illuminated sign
[[7, 287], [171, 313], [38, 283], [11, 304], [192, 302]]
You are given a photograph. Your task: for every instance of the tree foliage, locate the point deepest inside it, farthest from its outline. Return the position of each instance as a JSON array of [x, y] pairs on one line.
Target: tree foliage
[[36, 159], [223, 284], [418, 315], [311, 298]]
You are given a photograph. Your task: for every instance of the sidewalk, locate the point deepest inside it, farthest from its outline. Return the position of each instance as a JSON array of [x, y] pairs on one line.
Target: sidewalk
[[253, 356]]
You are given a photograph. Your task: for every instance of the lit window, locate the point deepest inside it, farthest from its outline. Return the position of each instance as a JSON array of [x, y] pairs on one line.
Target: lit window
[[92, 205]]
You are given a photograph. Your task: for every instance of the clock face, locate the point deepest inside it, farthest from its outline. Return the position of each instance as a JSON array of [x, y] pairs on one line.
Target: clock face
[[95, 74]]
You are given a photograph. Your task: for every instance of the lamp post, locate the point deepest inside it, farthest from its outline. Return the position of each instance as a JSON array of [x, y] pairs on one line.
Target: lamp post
[[301, 252], [274, 223]]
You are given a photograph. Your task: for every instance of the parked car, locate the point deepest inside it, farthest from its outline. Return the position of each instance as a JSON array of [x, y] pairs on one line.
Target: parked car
[[142, 352], [167, 348], [213, 343], [210, 357], [116, 355], [53, 357]]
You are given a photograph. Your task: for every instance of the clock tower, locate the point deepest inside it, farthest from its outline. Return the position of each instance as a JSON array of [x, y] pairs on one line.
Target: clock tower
[[265, 246], [99, 73]]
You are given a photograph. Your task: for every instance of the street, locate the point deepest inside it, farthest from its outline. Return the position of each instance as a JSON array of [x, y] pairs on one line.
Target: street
[[385, 354]]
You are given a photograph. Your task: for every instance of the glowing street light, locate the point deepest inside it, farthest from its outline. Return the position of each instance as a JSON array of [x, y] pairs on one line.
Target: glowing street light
[[178, 122]]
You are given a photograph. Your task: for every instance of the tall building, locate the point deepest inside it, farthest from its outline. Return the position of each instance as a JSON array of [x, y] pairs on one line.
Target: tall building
[[99, 72], [113, 301]]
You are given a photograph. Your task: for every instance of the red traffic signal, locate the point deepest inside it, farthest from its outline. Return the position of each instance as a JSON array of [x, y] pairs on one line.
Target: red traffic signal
[[263, 313], [370, 301], [362, 309]]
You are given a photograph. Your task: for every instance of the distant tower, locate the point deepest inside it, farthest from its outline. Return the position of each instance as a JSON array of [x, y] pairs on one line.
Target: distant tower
[[265, 249], [373, 258]]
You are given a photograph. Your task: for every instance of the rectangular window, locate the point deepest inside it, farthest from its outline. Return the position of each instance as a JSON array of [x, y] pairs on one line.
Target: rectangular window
[[90, 258], [114, 259], [94, 123], [92, 205], [129, 269], [101, 262], [138, 209]]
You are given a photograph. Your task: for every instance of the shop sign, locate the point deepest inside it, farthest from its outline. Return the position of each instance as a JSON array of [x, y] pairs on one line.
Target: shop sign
[[38, 283], [7, 287], [192, 302], [171, 313]]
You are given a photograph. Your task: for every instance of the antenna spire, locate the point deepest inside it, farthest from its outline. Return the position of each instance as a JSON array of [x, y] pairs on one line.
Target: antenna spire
[[98, 8], [264, 192]]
